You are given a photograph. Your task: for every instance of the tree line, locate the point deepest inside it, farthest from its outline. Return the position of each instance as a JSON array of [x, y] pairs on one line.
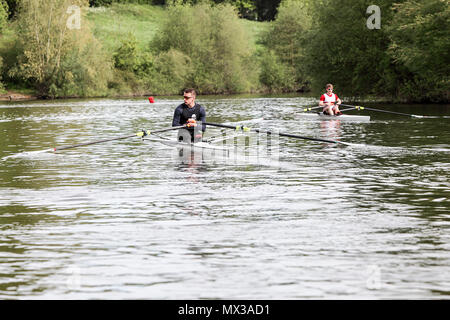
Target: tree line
[[261, 10], [398, 51]]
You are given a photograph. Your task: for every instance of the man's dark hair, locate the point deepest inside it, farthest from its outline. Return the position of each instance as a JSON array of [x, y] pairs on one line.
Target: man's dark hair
[[190, 90]]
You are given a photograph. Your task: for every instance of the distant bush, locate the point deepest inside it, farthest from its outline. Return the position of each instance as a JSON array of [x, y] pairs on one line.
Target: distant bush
[[275, 75], [2, 87], [419, 33], [342, 50], [262, 10], [100, 3], [215, 43], [285, 43], [128, 57], [11, 6], [171, 74], [3, 22], [133, 67], [56, 60], [3, 15]]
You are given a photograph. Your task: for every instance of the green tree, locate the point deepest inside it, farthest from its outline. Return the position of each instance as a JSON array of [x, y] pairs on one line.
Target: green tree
[[266, 9], [247, 8], [99, 3], [216, 43], [3, 23], [344, 51], [262, 10], [133, 67], [2, 87], [419, 33], [286, 39], [172, 71], [127, 56], [275, 75], [59, 55], [3, 15]]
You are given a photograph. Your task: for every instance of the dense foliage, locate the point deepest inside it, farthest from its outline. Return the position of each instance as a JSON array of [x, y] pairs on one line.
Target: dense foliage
[[420, 42], [3, 23], [344, 51], [406, 58], [262, 10], [3, 15], [52, 57], [204, 44], [214, 42], [282, 61]]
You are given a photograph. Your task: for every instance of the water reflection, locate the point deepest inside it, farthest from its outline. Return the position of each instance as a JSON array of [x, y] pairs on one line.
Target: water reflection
[[331, 129]]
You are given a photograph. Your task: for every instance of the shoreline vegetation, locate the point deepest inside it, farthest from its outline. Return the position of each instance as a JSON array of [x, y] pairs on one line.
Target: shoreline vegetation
[[126, 48]]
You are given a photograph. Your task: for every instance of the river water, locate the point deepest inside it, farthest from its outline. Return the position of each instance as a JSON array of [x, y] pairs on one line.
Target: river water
[[133, 219]]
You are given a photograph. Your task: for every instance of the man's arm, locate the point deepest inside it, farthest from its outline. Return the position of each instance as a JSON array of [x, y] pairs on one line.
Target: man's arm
[[176, 117], [322, 101]]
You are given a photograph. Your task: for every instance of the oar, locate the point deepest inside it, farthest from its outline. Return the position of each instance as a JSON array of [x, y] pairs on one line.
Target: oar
[[246, 129], [139, 134], [309, 109], [385, 111], [347, 109]]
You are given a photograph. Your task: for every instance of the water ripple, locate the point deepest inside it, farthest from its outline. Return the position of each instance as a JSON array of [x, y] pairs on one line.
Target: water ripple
[[131, 219]]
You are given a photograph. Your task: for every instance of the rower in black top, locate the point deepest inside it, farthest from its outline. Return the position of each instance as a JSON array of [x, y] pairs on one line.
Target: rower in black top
[[183, 115]]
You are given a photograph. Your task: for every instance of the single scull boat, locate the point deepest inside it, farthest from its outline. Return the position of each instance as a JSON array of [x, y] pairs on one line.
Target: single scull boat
[[344, 117]]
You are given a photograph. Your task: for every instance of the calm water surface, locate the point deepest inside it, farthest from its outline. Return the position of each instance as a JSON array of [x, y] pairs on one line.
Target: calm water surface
[[129, 219]]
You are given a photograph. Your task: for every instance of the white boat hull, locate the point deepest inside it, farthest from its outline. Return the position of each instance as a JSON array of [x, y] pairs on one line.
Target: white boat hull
[[344, 117], [198, 146]]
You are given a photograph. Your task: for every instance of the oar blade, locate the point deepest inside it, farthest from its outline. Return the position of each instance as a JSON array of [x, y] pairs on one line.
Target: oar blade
[[138, 134]]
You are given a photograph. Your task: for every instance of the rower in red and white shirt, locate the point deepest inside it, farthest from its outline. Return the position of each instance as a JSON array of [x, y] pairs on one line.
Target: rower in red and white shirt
[[329, 101]]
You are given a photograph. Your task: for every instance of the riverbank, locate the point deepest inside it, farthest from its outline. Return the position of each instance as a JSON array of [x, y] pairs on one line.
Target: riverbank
[[112, 27], [17, 96], [29, 95]]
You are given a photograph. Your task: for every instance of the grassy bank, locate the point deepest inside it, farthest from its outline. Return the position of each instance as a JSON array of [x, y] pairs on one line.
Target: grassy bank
[[119, 22], [113, 24]]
